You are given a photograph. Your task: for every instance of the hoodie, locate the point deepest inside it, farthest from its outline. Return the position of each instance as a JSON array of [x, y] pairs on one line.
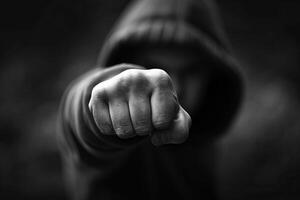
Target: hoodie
[[106, 167]]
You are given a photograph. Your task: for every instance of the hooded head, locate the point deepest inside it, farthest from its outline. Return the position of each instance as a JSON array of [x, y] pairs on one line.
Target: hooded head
[[164, 23], [185, 38]]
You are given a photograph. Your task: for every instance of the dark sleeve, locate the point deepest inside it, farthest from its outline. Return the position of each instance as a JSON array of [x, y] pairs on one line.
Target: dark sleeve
[[85, 151]]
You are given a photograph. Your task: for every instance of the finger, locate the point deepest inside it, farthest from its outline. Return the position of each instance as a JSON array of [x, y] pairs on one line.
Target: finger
[[178, 133], [140, 113], [120, 117], [180, 130], [100, 112], [164, 107]]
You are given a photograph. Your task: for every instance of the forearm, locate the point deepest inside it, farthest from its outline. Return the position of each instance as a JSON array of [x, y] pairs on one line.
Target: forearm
[[86, 153], [76, 124]]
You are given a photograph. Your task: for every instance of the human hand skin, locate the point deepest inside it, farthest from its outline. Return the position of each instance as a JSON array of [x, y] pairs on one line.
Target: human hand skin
[[140, 102]]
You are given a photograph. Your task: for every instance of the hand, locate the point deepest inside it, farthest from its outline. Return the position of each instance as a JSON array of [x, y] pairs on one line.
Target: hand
[[139, 102]]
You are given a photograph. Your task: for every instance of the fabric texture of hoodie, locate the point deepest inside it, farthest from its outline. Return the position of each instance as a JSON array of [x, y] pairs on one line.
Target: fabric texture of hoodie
[[106, 167]]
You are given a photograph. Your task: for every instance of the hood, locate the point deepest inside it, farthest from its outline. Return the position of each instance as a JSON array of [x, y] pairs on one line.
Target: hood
[[186, 23]]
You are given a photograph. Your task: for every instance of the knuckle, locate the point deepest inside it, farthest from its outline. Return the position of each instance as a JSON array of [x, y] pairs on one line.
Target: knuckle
[[97, 95], [124, 132], [142, 127], [159, 72], [132, 79], [162, 121], [162, 78], [137, 78], [132, 73], [123, 128], [142, 130], [123, 83], [98, 92], [141, 120]]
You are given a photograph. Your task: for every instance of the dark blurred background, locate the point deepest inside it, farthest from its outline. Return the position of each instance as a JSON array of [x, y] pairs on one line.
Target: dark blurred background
[[46, 44]]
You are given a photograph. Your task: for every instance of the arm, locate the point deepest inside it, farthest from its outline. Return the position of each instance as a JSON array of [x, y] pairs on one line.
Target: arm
[[90, 149]]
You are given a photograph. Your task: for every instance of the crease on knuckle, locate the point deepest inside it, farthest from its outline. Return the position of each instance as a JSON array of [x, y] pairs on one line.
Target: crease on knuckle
[[123, 84], [124, 131], [162, 121], [132, 79], [142, 124], [142, 129], [138, 80], [163, 79], [98, 93]]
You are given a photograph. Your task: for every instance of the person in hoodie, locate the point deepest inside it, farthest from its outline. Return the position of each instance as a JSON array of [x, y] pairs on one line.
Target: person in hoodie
[[142, 123]]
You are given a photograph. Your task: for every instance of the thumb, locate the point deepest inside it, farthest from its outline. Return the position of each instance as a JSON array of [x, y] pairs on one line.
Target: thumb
[[177, 133]]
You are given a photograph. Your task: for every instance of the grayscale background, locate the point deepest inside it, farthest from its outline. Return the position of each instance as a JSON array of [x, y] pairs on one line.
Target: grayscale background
[[46, 44]]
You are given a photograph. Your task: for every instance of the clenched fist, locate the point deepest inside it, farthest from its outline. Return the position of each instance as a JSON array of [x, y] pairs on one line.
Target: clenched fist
[[139, 102]]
